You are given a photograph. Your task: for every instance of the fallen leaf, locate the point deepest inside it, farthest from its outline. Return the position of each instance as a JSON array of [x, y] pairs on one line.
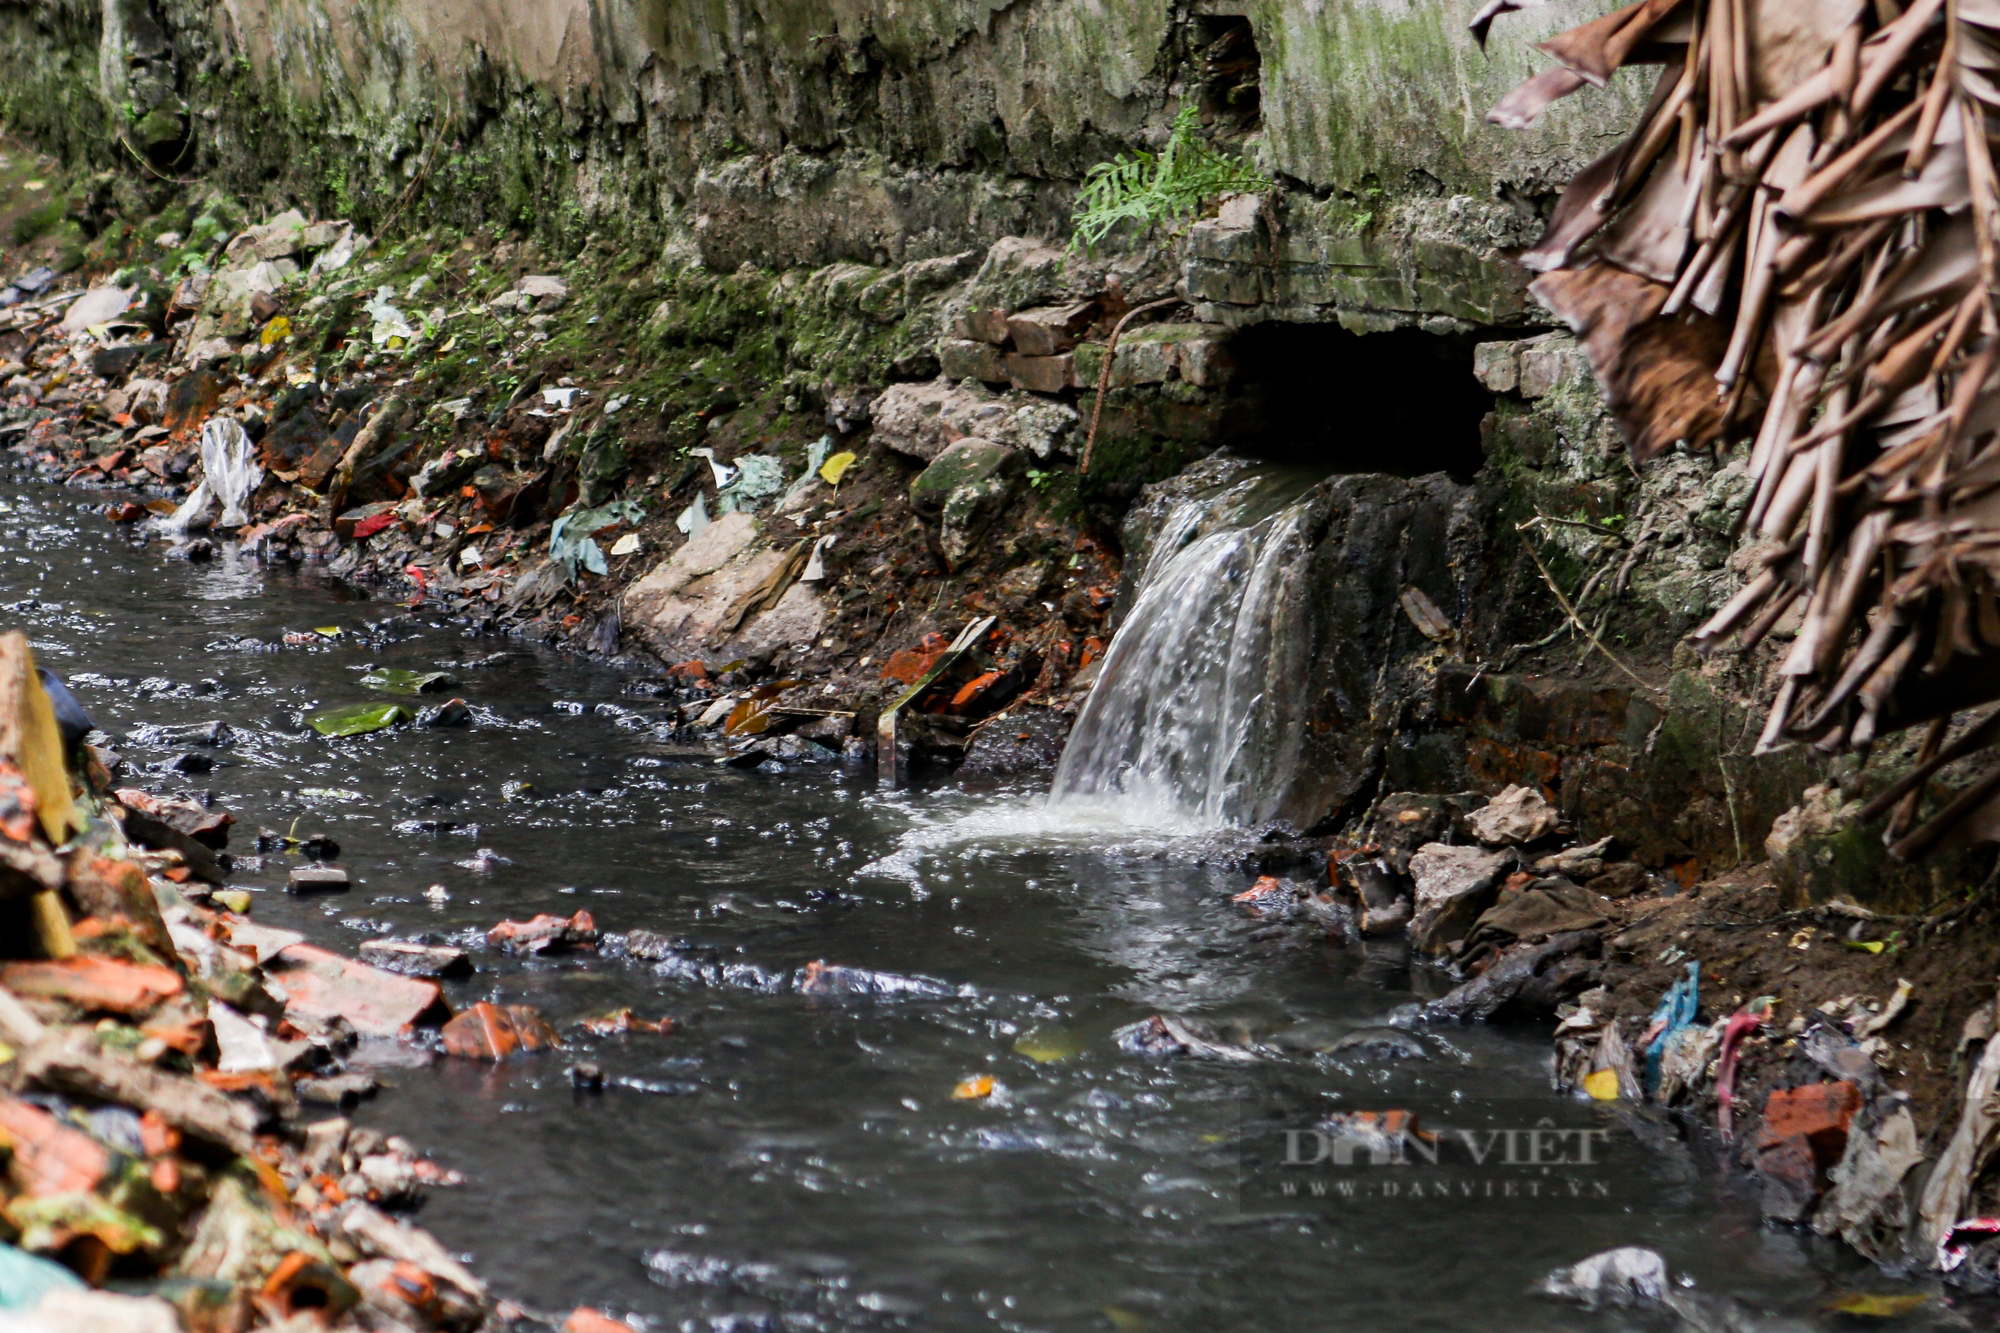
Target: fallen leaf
[[358, 720], [974, 1088], [1876, 1306], [1602, 1085], [833, 469]]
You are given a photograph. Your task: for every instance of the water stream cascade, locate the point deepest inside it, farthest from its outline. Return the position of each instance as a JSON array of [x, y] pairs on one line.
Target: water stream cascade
[[1195, 718]]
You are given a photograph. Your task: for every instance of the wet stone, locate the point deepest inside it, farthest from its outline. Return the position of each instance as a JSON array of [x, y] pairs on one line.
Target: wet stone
[[317, 879], [416, 960]]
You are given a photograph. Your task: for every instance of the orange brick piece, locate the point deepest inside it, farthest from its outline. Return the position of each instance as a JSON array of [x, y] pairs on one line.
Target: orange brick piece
[[48, 1156], [497, 1032], [96, 985], [1819, 1112]]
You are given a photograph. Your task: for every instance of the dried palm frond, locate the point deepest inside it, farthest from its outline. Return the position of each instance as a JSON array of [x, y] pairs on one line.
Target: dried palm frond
[[1796, 248]]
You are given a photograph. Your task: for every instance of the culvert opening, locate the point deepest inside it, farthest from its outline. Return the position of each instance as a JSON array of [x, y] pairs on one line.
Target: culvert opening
[[1404, 402]]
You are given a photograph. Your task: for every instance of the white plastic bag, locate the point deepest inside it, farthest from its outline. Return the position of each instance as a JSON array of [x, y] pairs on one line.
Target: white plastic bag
[[229, 462]]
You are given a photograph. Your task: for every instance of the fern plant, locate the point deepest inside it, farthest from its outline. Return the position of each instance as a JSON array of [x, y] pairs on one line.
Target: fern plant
[[1151, 189]]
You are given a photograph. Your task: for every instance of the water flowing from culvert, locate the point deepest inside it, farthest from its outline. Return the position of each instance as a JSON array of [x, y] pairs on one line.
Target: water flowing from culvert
[[1194, 719]]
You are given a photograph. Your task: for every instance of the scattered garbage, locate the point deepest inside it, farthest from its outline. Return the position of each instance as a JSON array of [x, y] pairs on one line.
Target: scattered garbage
[[389, 326], [836, 467], [1627, 1276], [570, 542], [694, 518], [1168, 1035], [1741, 1024], [95, 307], [757, 478], [1674, 1015]]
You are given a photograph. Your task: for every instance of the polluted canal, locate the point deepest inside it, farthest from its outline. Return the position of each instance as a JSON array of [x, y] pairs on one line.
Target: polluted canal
[[894, 1092]]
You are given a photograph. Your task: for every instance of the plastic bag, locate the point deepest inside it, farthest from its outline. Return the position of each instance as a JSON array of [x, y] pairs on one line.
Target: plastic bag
[[229, 462]]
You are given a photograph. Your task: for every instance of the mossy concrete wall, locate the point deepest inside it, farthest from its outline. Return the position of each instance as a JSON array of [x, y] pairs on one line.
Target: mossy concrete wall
[[780, 132]]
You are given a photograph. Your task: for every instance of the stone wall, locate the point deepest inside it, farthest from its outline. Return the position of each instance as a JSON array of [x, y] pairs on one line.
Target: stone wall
[[802, 133]]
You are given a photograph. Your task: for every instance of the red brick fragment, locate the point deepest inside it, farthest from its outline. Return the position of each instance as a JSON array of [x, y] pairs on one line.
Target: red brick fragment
[[497, 1032], [543, 931], [95, 985], [1820, 1112], [49, 1157]]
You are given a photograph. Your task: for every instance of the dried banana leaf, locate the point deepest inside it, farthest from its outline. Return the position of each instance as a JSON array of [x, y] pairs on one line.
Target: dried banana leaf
[[1797, 250]]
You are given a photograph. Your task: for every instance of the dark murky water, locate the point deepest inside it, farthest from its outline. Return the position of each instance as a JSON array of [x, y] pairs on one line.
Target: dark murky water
[[798, 1162]]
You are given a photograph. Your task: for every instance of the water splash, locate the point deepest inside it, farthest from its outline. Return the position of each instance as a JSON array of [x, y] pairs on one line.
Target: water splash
[[1195, 719]]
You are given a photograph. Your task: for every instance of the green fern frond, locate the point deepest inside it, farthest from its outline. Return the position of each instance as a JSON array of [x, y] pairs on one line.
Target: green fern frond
[[1151, 189]]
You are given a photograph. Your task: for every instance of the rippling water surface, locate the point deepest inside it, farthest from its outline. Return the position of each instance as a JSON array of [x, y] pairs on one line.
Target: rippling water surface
[[798, 1162]]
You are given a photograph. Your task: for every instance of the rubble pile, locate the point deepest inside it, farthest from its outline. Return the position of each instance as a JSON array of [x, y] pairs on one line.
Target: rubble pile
[[169, 1070]]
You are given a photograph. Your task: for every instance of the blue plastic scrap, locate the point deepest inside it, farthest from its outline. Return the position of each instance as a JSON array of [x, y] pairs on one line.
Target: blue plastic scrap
[[1675, 1012], [26, 1278]]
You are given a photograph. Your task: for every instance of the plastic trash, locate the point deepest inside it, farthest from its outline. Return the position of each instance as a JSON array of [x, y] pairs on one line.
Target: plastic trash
[[1675, 1011], [836, 467], [725, 475], [229, 462], [389, 323], [338, 255], [1741, 1024], [94, 307], [815, 570], [758, 478], [815, 457], [694, 518], [1629, 1275], [570, 541], [25, 1279]]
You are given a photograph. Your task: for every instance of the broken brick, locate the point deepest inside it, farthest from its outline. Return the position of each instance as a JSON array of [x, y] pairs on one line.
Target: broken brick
[[1820, 1112], [543, 931], [497, 1032], [49, 1157], [323, 985], [1803, 1135], [94, 985]]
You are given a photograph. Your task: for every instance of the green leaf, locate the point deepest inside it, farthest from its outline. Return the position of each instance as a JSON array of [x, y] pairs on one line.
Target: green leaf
[[395, 680], [358, 719]]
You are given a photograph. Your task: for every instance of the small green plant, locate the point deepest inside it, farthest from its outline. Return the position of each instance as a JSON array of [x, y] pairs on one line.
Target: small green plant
[[1152, 189], [1039, 479]]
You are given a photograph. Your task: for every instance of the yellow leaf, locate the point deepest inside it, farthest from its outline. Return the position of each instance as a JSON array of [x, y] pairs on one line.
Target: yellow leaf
[[833, 469], [974, 1088], [1125, 1321], [281, 327], [1867, 946], [1876, 1306], [1602, 1085]]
